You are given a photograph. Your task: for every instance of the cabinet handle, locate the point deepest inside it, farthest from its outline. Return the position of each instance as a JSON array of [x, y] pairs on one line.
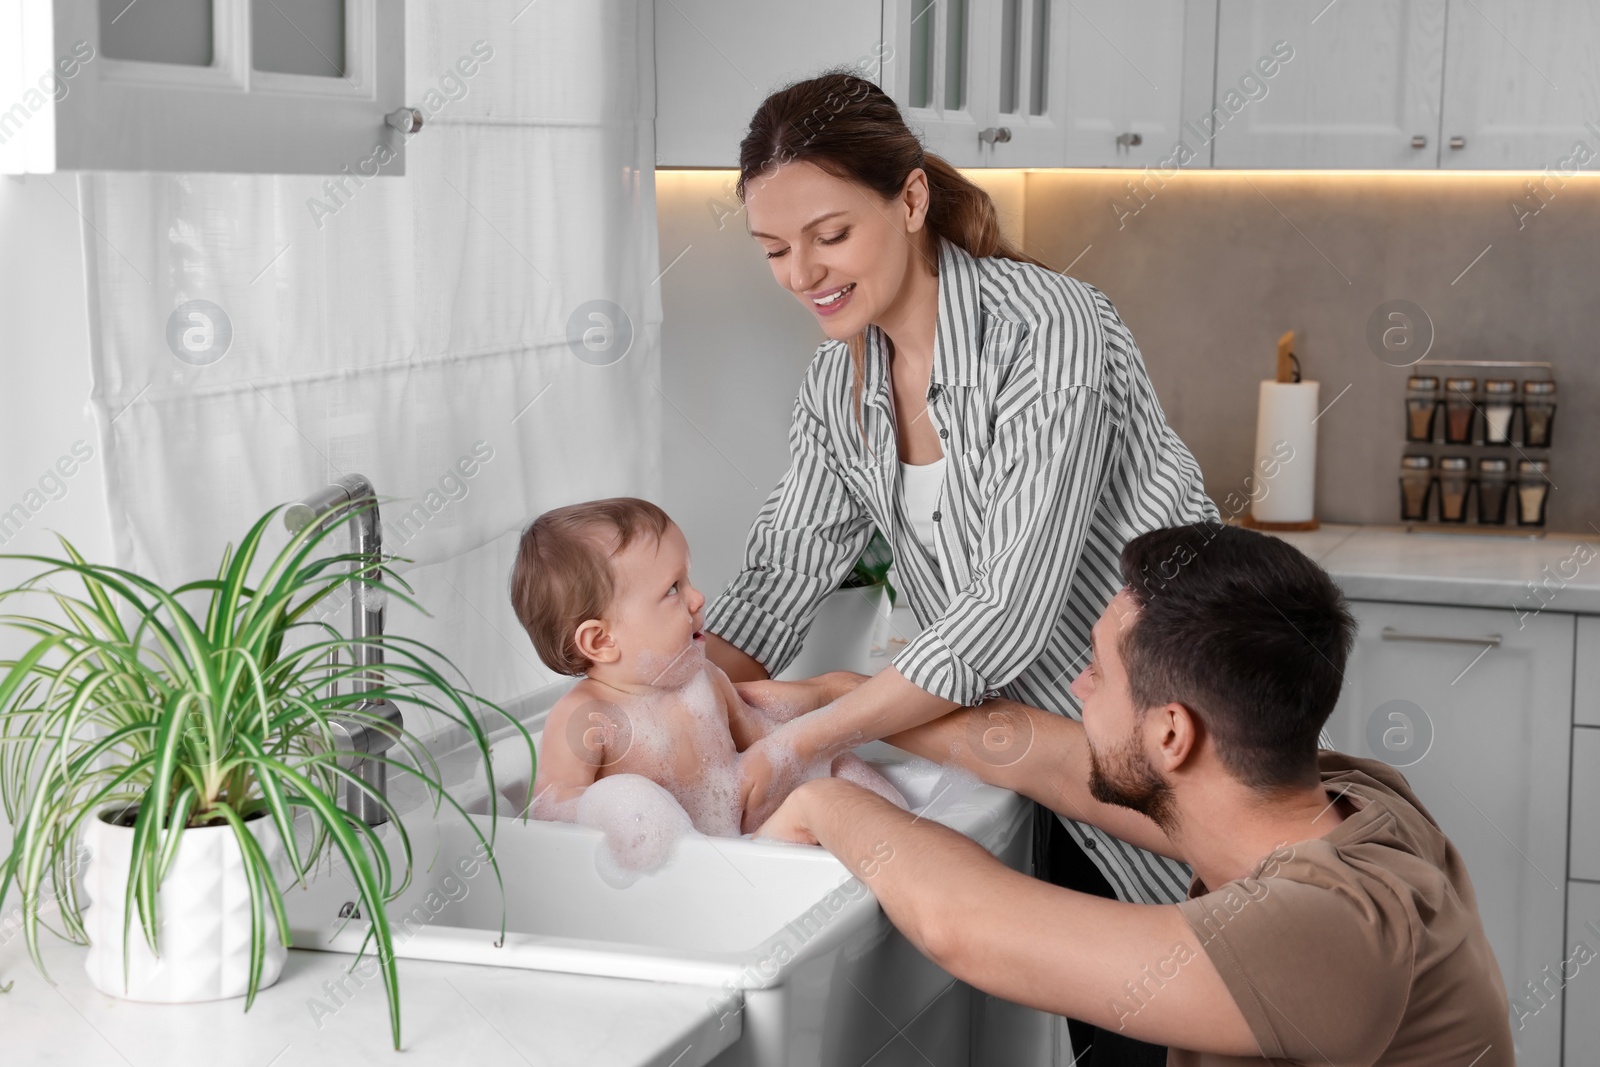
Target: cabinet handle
[[1391, 634], [1419, 141], [1130, 140], [995, 135], [1458, 142], [405, 119]]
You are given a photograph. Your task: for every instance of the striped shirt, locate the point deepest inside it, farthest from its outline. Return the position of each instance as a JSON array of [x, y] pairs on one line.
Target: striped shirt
[[1058, 454]]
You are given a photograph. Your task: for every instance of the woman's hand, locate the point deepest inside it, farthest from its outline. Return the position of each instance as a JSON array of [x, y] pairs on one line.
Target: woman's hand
[[781, 701], [769, 771]]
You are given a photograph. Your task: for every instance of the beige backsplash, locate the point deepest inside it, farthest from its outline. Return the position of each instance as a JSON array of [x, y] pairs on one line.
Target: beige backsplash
[[1215, 265]]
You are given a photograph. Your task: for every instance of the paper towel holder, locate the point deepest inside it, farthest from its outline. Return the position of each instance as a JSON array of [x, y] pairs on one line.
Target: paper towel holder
[[1288, 373]]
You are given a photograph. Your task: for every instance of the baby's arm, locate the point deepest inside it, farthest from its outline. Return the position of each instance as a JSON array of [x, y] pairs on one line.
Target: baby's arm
[[571, 752]]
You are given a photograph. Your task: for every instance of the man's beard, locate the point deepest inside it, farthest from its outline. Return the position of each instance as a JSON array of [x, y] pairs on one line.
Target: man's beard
[[1127, 780]]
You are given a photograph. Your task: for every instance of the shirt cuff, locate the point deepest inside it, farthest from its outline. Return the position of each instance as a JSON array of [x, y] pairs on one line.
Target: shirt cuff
[[934, 667], [763, 636]]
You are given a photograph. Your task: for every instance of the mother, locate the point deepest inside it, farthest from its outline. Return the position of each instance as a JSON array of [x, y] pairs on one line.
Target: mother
[[991, 417]]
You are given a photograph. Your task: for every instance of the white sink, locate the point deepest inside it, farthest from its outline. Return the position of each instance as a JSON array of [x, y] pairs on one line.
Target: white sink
[[773, 930]]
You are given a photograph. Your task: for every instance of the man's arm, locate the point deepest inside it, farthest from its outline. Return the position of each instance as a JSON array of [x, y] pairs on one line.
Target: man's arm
[[1027, 750], [1017, 937]]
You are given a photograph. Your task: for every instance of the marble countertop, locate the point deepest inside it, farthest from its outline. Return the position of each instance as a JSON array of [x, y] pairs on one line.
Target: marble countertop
[[450, 1014], [1466, 570]]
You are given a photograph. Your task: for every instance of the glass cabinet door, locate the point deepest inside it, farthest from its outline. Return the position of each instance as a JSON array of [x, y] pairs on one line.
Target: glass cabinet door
[[249, 86], [1026, 128], [934, 69]]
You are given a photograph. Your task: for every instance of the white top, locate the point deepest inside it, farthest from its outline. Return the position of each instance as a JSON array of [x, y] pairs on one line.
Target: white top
[[920, 484]]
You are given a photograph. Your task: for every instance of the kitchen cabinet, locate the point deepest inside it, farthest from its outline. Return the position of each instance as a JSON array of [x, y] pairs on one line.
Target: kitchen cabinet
[[1363, 89], [716, 60], [1521, 85], [1048, 83], [1579, 975], [255, 86], [1477, 713], [936, 67], [1126, 75]]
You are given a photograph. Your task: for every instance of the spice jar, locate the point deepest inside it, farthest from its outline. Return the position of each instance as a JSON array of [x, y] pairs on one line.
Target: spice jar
[[1455, 483], [1499, 405], [1460, 410], [1538, 411], [1422, 407], [1533, 491], [1493, 489], [1416, 487]]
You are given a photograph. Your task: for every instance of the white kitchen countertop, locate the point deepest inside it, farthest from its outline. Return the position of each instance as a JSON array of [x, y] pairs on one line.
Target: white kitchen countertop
[[1484, 570], [450, 1014]]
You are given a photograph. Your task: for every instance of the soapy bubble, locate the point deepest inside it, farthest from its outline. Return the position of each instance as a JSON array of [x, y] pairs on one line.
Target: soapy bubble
[[642, 823], [1399, 733], [999, 736], [599, 733], [664, 671]]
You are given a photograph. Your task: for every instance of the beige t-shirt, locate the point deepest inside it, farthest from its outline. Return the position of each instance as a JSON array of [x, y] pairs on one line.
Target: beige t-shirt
[[1360, 947]]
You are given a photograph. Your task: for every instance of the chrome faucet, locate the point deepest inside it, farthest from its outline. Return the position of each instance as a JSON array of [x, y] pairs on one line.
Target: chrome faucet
[[376, 728]]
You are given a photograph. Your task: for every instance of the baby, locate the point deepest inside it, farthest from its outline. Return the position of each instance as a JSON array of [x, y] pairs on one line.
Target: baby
[[603, 590]]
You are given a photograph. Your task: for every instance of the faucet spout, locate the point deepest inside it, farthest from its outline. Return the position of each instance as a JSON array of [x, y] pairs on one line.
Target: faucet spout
[[376, 724]]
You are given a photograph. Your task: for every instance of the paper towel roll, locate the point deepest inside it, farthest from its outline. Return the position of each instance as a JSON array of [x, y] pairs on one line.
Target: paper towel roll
[[1284, 482]]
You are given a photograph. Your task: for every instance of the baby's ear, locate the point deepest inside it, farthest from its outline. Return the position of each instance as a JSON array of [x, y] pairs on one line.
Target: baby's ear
[[594, 642]]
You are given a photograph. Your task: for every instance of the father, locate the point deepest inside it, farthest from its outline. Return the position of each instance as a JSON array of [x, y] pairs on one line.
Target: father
[[1329, 919]]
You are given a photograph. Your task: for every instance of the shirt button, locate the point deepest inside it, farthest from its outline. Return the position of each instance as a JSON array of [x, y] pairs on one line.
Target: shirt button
[[944, 433], [935, 516], [1089, 845]]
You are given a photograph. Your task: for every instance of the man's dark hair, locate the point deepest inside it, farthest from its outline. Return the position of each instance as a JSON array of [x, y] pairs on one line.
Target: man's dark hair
[[1245, 631]]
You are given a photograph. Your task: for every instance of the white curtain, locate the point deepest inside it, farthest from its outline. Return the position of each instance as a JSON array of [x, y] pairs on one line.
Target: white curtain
[[415, 330]]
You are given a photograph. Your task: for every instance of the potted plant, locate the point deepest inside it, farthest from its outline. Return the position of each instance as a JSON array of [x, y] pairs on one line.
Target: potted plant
[[184, 737], [840, 637]]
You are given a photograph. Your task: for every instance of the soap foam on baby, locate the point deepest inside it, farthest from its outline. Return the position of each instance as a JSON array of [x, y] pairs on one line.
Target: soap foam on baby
[[603, 591]]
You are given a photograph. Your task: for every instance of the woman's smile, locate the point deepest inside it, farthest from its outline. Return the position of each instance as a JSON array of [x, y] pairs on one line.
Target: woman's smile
[[830, 301]]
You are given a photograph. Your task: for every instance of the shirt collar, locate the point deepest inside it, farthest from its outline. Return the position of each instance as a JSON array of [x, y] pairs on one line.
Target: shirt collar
[[958, 336], [958, 331]]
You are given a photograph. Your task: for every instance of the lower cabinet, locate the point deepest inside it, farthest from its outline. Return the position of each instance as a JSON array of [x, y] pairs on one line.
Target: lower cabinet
[[1477, 714], [1577, 974]]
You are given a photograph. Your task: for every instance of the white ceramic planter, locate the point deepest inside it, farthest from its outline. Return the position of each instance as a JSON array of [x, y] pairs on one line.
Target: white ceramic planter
[[840, 638], [204, 917]]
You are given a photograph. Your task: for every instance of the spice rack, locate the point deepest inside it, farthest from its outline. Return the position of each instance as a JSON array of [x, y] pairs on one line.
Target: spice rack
[[1477, 453]]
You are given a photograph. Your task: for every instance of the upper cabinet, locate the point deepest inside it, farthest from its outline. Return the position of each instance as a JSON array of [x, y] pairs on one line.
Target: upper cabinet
[[1021, 103], [1415, 84], [716, 60], [1521, 85], [936, 67], [985, 83], [259, 86], [1360, 87], [1127, 77]]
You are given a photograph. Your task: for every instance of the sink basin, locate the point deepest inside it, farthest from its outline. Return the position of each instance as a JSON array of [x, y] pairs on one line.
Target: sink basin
[[763, 925]]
